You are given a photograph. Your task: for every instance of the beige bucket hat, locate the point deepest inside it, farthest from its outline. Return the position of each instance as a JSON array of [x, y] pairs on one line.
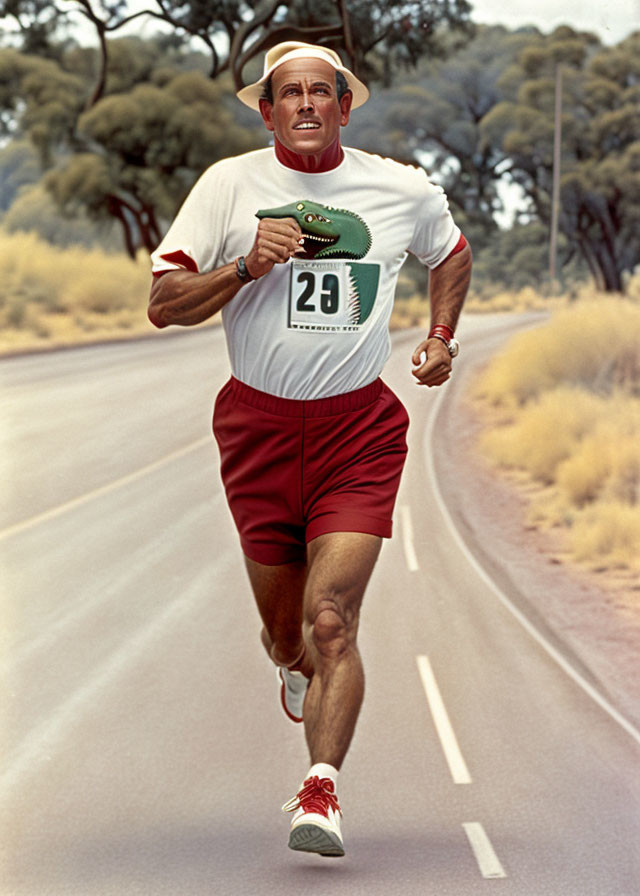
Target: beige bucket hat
[[250, 95]]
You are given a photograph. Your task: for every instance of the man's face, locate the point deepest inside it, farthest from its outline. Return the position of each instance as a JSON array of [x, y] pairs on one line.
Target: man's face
[[305, 116]]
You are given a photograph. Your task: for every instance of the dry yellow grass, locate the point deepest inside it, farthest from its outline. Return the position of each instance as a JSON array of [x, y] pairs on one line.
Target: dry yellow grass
[[544, 433], [54, 296], [526, 299], [594, 343], [413, 312], [607, 461], [565, 402], [608, 532]]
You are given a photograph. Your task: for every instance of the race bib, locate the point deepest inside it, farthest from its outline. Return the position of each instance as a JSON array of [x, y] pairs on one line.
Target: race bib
[[331, 296]]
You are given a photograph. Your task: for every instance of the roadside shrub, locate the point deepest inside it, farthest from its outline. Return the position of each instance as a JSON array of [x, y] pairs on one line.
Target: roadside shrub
[[567, 401], [545, 432], [594, 344], [48, 294], [607, 461], [608, 532]]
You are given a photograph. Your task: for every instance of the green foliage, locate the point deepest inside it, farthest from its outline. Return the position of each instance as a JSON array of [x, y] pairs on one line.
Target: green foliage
[[131, 61], [519, 258], [377, 35], [437, 120], [600, 140], [133, 155], [35, 211], [19, 166], [83, 182], [46, 100], [388, 37], [124, 133], [146, 141], [126, 129]]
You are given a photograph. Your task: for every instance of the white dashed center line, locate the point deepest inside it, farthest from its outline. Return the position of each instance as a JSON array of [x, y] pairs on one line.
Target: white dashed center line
[[452, 752], [488, 861]]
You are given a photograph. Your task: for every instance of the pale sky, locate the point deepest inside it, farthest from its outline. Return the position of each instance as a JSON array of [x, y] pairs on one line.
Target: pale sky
[[611, 20]]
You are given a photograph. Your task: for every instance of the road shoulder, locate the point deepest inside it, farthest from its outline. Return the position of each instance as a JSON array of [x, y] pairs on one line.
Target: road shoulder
[[595, 617]]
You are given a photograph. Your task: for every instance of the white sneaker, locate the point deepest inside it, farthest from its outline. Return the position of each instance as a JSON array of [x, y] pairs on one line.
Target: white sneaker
[[315, 827], [292, 693]]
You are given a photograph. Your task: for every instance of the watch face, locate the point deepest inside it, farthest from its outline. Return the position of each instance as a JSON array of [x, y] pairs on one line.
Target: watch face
[[454, 347]]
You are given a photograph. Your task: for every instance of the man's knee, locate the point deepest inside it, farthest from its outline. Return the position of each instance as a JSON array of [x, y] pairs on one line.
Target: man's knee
[[333, 629]]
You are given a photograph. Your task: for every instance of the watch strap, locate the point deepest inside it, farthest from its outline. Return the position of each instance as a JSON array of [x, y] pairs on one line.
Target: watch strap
[[242, 272]]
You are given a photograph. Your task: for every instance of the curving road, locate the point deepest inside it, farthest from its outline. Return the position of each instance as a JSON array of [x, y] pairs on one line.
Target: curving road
[[143, 750]]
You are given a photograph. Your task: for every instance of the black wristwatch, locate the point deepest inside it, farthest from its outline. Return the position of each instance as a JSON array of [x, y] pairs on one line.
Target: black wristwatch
[[242, 272]]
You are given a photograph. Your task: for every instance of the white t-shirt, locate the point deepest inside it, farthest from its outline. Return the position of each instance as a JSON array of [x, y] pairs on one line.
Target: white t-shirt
[[317, 325]]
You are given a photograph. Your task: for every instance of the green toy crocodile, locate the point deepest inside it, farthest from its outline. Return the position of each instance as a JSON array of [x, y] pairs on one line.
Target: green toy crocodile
[[328, 232]]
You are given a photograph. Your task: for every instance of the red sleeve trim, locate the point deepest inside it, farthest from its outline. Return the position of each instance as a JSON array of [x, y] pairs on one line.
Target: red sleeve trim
[[179, 258], [459, 246]]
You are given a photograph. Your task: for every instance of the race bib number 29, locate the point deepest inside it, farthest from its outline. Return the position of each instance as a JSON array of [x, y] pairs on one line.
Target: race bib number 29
[[331, 296]]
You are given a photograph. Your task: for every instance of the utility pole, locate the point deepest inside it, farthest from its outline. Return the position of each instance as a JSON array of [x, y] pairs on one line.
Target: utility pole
[[555, 193]]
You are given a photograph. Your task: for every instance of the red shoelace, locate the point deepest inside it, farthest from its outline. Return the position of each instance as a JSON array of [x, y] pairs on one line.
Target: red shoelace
[[317, 795]]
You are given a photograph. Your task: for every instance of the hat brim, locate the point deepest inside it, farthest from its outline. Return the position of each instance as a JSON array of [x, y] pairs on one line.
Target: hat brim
[[251, 94]]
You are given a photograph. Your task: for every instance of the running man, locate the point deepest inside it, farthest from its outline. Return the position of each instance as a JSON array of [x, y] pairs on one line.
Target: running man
[[299, 246]]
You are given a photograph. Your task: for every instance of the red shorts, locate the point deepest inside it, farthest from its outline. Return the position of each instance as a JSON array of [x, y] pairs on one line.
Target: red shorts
[[293, 470]]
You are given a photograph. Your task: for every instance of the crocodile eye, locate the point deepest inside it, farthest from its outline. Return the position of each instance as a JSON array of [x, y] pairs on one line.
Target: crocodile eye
[[309, 218], [322, 219]]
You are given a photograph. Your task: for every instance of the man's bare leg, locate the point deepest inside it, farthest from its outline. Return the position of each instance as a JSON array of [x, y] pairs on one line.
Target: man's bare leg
[[318, 604], [279, 593], [339, 567]]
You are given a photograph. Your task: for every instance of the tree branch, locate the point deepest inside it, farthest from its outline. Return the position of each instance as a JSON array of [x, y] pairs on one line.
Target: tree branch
[[348, 35], [242, 33]]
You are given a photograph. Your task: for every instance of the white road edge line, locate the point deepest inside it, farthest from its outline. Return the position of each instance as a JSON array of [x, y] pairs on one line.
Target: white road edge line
[[555, 655], [54, 512], [452, 752], [407, 538], [488, 861]]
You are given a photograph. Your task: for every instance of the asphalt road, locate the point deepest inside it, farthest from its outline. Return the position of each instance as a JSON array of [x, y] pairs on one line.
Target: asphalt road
[[143, 749]]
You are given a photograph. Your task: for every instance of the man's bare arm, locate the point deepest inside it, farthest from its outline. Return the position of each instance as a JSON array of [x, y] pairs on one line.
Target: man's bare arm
[[187, 298], [448, 285]]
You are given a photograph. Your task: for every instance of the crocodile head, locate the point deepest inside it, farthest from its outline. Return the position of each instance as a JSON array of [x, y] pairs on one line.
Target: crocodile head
[[328, 232]]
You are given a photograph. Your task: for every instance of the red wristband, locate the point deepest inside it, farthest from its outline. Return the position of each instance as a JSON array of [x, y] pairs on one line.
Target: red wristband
[[441, 331]]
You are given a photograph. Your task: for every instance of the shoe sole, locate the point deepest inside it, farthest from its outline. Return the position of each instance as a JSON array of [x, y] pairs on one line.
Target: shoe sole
[[312, 838]]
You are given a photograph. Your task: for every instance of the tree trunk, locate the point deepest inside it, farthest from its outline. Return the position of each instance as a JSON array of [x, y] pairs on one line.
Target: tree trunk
[[592, 262], [98, 90], [116, 209], [101, 28], [609, 268], [602, 264]]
